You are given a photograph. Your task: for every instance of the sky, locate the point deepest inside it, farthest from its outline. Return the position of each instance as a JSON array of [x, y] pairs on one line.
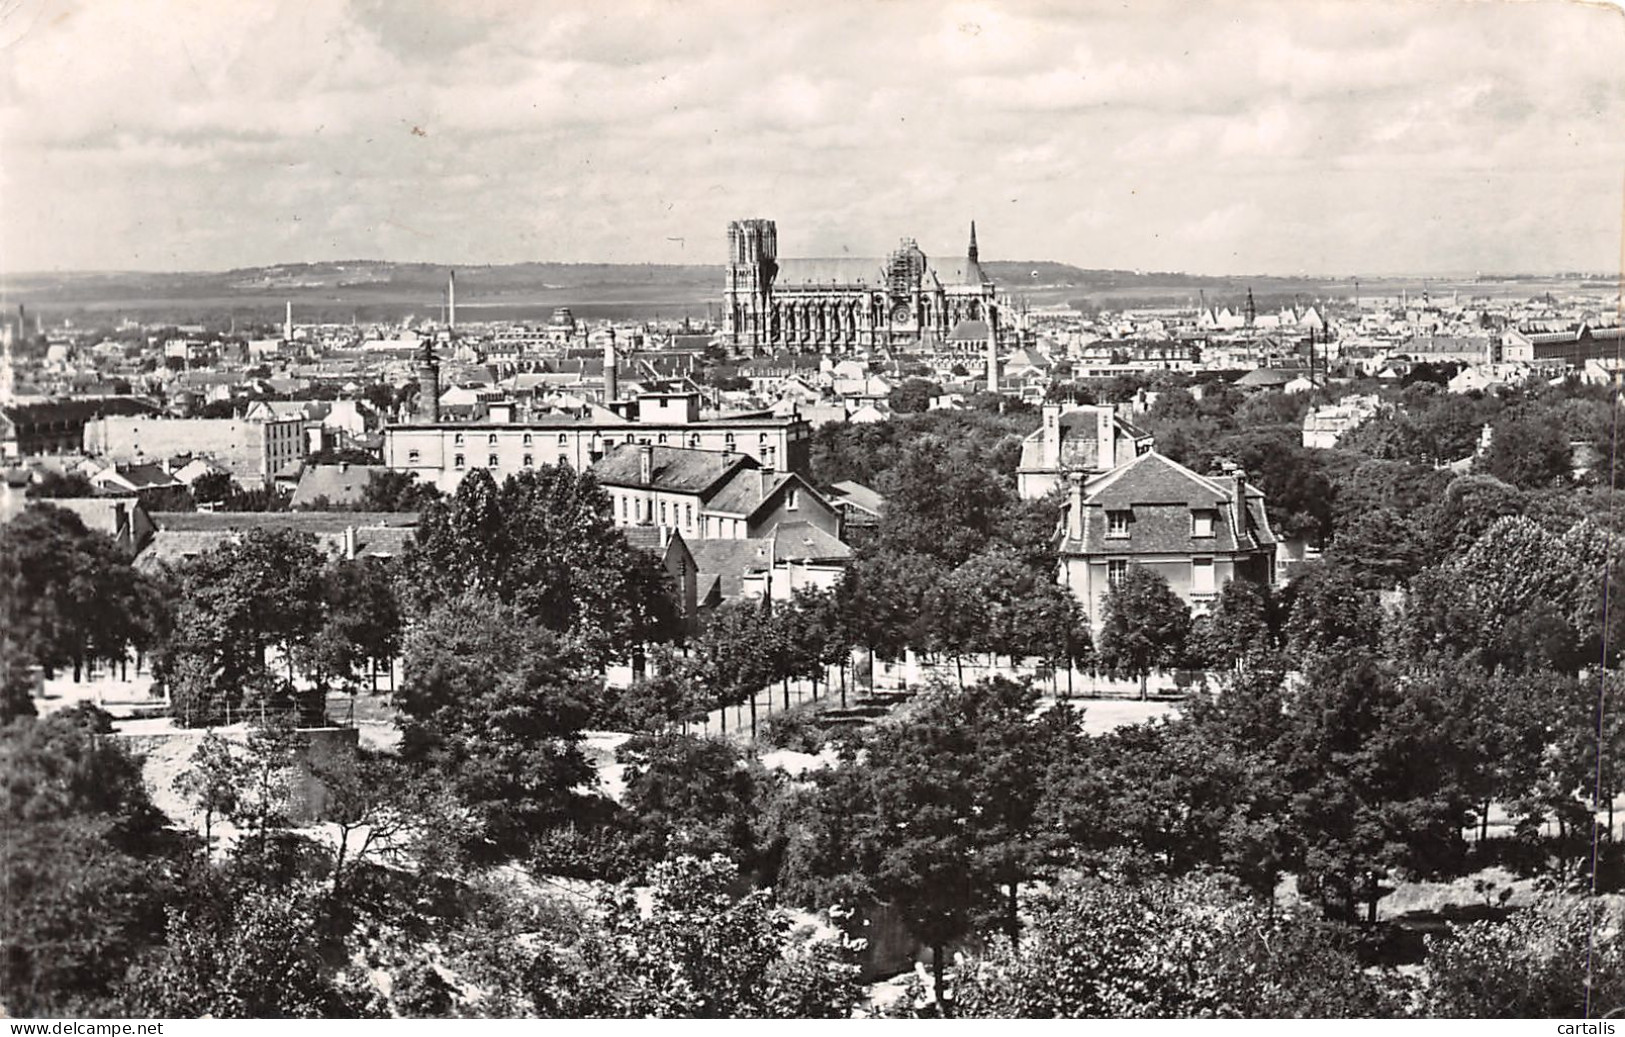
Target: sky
[[1327, 137]]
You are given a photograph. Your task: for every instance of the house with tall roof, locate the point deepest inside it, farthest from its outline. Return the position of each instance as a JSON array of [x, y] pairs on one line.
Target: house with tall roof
[[1198, 532], [1075, 438]]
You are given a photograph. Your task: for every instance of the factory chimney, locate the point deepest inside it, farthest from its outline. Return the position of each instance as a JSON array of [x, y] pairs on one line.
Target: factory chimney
[[428, 384], [611, 386], [992, 352], [287, 323], [451, 299]]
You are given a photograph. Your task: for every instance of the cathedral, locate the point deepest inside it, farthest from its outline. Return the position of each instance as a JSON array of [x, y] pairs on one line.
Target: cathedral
[[838, 305]]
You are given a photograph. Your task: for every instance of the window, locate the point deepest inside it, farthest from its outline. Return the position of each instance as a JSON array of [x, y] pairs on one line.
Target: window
[[491, 461], [1117, 523], [662, 513], [1202, 523], [661, 439], [1201, 576], [1116, 571], [527, 439], [457, 440], [694, 441], [624, 507], [792, 500], [564, 439], [530, 461], [458, 461], [491, 440], [412, 457], [688, 515]]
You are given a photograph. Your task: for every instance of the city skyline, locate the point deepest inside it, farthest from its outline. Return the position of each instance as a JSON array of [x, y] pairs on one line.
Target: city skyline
[[1382, 138]]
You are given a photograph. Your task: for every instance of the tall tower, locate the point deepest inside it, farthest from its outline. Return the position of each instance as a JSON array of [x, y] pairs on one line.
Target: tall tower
[[753, 253], [287, 323], [428, 384], [992, 352], [451, 299], [611, 376], [973, 264]]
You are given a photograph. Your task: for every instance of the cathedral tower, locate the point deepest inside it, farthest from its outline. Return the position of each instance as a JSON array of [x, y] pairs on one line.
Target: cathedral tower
[[753, 253]]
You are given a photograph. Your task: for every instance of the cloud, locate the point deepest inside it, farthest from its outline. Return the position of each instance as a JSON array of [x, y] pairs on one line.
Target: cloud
[[1253, 135]]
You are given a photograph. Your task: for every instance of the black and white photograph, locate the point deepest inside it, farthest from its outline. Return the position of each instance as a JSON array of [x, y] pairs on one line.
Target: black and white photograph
[[861, 510]]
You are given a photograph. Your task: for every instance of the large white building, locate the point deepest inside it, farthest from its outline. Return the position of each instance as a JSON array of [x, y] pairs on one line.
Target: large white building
[[441, 453]]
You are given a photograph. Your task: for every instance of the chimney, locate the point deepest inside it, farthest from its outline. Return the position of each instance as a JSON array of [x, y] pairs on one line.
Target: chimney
[[646, 464], [1105, 441], [451, 299], [992, 354], [349, 543], [1052, 433], [1074, 509], [611, 383], [287, 323]]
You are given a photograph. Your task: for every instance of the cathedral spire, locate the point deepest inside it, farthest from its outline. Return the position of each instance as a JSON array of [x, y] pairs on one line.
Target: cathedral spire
[[971, 253]]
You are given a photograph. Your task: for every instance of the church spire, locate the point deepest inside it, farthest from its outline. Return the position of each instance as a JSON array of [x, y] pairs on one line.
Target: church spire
[[971, 252]]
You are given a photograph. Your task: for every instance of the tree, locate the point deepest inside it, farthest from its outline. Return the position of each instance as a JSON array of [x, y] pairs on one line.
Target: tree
[[1243, 624], [1381, 769], [494, 706], [83, 863], [389, 490], [211, 784], [68, 594], [51, 485], [238, 602], [914, 396], [213, 488], [699, 952], [252, 957], [1119, 947], [1528, 452], [693, 796], [1551, 961], [1329, 612], [361, 624], [544, 542], [1145, 627], [939, 818]]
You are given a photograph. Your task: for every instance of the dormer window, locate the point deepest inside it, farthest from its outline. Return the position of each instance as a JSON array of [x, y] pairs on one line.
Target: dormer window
[[1117, 523], [491, 440], [792, 500], [1202, 521], [457, 440]]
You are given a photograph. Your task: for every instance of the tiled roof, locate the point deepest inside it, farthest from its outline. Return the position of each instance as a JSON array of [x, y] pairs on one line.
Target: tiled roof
[[1159, 495], [837, 270], [340, 484], [805, 542], [645, 538], [860, 496], [170, 547], [146, 476], [746, 491], [1154, 479], [675, 469], [304, 521], [730, 560]]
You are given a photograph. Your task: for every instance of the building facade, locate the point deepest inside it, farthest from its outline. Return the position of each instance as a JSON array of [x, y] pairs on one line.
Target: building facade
[[441, 453], [253, 451], [844, 304], [1197, 532]]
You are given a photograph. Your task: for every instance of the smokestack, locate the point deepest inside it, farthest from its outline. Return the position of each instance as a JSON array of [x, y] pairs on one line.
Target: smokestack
[[1074, 509], [611, 383], [992, 353], [451, 299], [287, 323], [1052, 433]]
